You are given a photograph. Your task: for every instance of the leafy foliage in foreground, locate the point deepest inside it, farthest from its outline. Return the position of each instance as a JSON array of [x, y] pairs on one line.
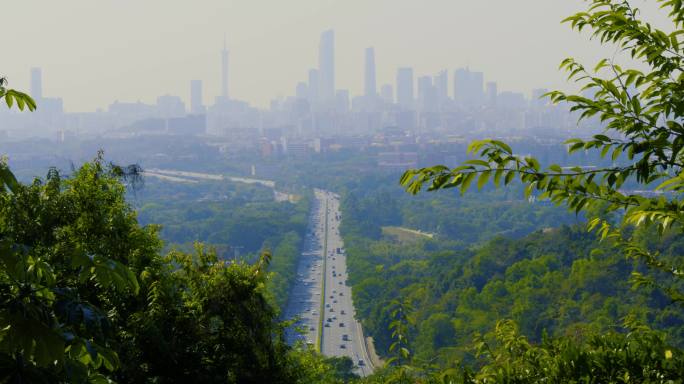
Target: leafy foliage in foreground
[[12, 96], [85, 296], [70, 251], [504, 356], [644, 134]]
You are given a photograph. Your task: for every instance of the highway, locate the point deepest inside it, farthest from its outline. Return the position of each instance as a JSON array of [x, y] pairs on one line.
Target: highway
[[321, 289], [304, 301]]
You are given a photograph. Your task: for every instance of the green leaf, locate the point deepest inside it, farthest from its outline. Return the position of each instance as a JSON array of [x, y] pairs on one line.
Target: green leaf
[[7, 179], [497, 177], [509, 177], [484, 177], [467, 179], [478, 162]]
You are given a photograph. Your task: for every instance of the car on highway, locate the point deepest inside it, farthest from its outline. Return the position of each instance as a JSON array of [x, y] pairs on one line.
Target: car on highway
[[342, 346], [345, 337], [327, 325], [332, 309], [342, 312], [341, 294], [361, 363]]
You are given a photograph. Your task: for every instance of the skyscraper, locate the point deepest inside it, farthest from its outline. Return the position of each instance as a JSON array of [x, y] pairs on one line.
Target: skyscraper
[[326, 66], [405, 87], [342, 100], [313, 86], [468, 86], [36, 83], [369, 81], [302, 90], [387, 93], [538, 100], [492, 93], [196, 106], [169, 106], [224, 71], [442, 85], [427, 94]]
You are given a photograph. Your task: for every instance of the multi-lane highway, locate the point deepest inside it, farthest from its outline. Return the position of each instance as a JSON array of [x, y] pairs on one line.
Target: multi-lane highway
[[305, 298], [321, 297]]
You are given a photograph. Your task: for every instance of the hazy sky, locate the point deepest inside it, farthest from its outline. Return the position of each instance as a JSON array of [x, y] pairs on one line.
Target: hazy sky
[[96, 51]]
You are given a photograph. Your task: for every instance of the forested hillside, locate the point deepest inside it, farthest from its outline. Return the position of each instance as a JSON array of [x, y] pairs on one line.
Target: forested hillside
[[236, 219], [558, 281]]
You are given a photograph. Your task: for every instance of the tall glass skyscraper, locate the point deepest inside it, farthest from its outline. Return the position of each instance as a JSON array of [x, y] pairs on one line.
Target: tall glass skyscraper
[[369, 81], [405, 87], [326, 66], [196, 106]]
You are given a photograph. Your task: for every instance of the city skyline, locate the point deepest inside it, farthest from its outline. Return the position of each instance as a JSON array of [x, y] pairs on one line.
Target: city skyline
[[413, 91], [269, 57]]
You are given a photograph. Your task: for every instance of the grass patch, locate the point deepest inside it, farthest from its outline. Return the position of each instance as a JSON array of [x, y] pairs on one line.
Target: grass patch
[[406, 235]]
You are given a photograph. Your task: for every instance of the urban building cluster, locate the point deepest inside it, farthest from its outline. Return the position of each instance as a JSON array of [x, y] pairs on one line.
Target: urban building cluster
[[417, 109]]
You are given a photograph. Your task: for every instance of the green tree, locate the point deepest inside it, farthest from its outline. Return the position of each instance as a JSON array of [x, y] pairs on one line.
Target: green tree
[[86, 296], [69, 257], [643, 115]]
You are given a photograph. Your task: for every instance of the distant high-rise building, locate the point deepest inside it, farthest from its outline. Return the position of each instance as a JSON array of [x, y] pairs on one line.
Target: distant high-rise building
[[342, 100], [302, 90], [369, 81], [224, 71], [326, 66], [492, 92], [427, 94], [36, 83], [387, 93], [442, 85], [538, 99], [512, 100], [424, 85], [405, 87], [468, 86], [313, 86], [169, 106], [196, 106], [49, 106]]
